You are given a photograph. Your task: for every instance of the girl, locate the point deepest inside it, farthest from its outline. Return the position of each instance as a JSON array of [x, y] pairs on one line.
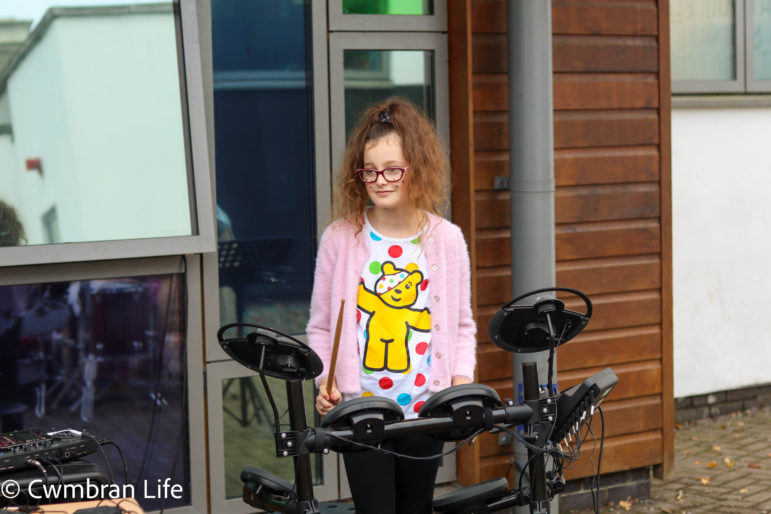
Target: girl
[[404, 274]]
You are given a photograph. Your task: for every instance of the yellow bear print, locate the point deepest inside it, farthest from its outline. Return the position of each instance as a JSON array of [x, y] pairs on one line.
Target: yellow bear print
[[391, 317]]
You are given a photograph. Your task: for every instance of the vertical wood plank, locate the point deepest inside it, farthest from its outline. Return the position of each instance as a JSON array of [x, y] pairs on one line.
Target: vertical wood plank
[[462, 158], [665, 152]]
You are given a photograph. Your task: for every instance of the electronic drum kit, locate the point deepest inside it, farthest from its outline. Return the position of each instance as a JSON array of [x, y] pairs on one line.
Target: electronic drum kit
[[552, 423]]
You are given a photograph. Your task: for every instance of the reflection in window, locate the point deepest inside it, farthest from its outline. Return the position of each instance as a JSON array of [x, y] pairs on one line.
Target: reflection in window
[[106, 356], [388, 7], [372, 75], [91, 121], [11, 229], [265, 201], [703, 35], [264, 151], [248, 428], [51, 225], [761, 33]]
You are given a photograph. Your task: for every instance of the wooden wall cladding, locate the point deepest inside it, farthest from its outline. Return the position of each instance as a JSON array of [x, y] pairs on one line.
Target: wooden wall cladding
[[608, 212], [578, 204], [576, 91], [580, 53], [582, 166], [591, 276], [628, 18]]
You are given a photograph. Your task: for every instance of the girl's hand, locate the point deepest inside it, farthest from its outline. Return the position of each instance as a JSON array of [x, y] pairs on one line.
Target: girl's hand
[[325, 402], [460, 379]]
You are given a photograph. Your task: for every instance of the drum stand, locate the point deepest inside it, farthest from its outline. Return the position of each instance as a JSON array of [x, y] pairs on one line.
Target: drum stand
[[456, 413]]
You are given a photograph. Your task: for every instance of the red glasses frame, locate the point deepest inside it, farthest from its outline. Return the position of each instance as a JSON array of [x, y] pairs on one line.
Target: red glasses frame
[[373, 178]]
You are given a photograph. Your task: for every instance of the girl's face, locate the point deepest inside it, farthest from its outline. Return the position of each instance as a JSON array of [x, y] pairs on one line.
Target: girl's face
[[380, 154]]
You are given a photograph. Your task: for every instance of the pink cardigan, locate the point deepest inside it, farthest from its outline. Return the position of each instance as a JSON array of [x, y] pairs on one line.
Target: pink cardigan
[[340, 260]]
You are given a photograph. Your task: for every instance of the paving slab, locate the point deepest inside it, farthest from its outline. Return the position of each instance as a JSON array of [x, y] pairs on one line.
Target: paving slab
[[722, 466]]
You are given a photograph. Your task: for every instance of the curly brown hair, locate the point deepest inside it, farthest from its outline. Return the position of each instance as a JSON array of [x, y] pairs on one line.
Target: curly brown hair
[[428, 165], [11, 229]]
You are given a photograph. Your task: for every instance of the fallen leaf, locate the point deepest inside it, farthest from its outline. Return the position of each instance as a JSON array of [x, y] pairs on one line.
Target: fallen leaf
[[737, 436], [729, 463], [679, 496], [712, 464], [697, 463], [686, 452], [744, 490], [754, 465], [627, 505], [769, 455], [705, 480], [740, 424], [695, 438], [722, 427], [716, 447], [678, 426], [664, 509]]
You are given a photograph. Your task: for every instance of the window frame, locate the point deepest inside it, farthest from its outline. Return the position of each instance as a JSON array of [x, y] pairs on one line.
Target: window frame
[[202, 215]]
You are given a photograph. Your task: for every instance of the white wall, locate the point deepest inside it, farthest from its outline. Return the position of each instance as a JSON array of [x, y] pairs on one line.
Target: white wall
[[9, 181], [37, 94], [125, 120], [721, 216]]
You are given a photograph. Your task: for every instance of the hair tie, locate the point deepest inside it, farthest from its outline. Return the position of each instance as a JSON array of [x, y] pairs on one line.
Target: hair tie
[[384, 116]]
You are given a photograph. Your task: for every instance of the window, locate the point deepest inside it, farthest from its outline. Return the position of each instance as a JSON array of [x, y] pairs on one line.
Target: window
[[264, 152], [266, 225], [106, 355], [367, 69], [387, 15], [721, 46], [421, 7], [759, 59], [95, 118]]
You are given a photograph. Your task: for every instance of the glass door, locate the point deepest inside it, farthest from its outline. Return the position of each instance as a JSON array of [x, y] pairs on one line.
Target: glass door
[[406, 57]]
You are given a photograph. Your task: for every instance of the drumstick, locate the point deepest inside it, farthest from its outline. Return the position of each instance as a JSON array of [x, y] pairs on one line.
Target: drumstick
[[335, 347]]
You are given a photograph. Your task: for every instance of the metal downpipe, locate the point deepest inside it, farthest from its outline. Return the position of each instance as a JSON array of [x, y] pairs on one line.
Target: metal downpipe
[[531, 169]]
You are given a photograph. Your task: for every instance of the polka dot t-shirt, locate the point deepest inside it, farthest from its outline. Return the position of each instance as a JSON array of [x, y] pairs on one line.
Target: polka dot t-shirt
[[394, 321]]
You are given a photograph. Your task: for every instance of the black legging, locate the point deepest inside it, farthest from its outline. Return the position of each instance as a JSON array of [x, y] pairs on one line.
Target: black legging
[[385, 484]]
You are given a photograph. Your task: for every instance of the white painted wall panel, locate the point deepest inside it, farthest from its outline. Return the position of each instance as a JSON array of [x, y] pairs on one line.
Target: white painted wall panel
[[721, 216]]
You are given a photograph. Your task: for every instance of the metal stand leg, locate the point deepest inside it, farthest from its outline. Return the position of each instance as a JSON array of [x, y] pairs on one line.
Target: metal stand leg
[[86, 400], [248, 396]]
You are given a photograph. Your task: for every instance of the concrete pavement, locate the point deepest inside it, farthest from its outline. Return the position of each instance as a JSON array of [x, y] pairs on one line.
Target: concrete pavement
[[722, 465]]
